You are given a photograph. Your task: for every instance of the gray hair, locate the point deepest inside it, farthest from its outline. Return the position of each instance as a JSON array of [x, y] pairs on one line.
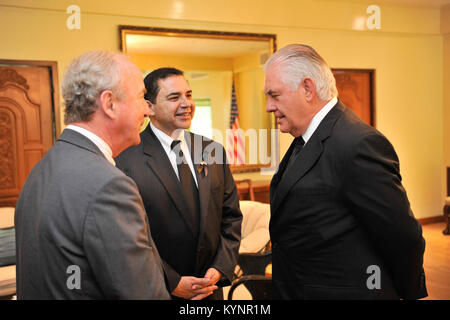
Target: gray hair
[[85, 79], [299, 61]]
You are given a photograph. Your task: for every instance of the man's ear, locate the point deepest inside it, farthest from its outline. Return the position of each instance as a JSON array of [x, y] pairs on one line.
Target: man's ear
[[107, 99], [310, 88], [151, 108]]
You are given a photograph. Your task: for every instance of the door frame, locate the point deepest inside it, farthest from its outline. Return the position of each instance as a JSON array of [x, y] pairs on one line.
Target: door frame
[[52, 67]]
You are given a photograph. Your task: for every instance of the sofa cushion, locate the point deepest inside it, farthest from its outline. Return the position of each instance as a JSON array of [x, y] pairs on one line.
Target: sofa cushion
[[7, 246]]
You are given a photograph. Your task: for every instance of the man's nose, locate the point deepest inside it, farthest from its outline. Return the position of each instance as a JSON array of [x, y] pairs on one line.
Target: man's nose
[[185, 102], [270, 107]]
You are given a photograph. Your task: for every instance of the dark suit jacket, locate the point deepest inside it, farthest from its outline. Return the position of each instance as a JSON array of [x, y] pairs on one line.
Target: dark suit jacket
[[339, 209], [76, 209], [183, 253]]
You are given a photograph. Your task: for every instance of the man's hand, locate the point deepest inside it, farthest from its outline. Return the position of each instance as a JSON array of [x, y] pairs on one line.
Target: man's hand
[[213, 275], [194, 288]]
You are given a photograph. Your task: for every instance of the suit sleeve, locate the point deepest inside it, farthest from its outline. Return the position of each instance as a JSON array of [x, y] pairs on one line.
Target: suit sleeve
[[119, 246], [173, 277], [379, 201], [227, 254]]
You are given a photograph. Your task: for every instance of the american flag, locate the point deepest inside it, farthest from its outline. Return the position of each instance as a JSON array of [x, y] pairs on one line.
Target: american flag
[[235, 140]]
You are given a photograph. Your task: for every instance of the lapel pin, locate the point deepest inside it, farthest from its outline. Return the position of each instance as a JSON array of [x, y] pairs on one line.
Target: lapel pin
[[203, 167]]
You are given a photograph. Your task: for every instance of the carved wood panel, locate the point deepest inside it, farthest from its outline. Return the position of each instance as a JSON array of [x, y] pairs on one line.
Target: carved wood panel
[[26, 125], [7, 150], [356, 90]]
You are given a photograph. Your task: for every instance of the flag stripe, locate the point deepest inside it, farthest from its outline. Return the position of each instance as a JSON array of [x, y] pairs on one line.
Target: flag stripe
[[235, 140]]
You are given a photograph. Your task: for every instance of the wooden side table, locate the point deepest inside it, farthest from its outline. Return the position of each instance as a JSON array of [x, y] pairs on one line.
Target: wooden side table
[[255, 190]]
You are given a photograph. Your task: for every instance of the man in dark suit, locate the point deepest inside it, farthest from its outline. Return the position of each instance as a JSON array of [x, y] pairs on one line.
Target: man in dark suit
[[187, 189], [341, 224], [81, 227]]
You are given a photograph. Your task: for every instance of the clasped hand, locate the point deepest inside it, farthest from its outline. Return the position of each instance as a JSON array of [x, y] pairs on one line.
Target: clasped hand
[[194, 288]]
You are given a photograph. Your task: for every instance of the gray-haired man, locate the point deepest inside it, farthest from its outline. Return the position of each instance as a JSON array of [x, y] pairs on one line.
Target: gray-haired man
[[81, 228], [341, 225]]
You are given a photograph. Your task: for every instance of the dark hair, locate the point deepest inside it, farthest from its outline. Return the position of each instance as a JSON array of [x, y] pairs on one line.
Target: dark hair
[[151, 81]]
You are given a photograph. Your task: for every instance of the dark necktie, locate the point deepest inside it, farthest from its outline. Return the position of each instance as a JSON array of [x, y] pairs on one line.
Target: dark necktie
[[188, 187], [299, 143]]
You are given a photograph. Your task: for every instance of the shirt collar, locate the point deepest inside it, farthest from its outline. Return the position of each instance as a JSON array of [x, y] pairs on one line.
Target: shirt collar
[[99, 142], [318, 119], [165, 139]]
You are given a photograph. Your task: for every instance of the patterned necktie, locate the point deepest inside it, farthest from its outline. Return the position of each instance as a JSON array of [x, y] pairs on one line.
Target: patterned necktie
[[188, 187]]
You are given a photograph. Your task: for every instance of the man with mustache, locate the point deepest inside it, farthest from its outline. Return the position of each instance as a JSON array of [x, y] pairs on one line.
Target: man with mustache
[[191, 202]]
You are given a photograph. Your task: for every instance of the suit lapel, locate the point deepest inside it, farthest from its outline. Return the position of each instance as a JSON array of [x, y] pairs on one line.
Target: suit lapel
[[196, 146], [304, 161], [307, 158], [281, 168], [162, 168]]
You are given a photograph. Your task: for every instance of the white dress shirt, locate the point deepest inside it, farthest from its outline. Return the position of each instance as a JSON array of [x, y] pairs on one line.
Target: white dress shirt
[[100, 143], [166, 142], [318, 119]]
